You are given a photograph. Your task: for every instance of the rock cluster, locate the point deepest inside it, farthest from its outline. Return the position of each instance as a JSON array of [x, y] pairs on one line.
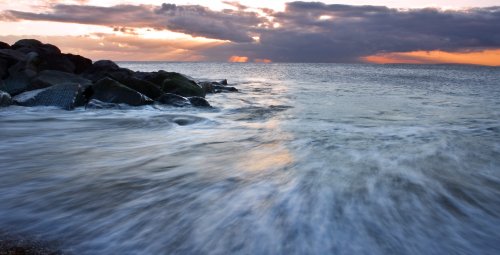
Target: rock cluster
[[36, 74]]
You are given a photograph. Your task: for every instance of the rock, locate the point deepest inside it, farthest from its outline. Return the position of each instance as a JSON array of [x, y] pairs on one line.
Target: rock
[[155, 78], [29, 45], [216, 87], [81, 63], [110, 91], [105, 68], [65, 96], [4, 68], [12, 56], [20, 75], [199, 101], [145, 87], [174, 100], [223, 82], [49, 78], [5, 99], [179, 84], [4, 45], [50, 56], [96, 104]]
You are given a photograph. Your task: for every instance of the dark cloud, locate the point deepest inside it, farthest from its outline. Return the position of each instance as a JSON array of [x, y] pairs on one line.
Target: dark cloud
[[304, 31], [196, 20]]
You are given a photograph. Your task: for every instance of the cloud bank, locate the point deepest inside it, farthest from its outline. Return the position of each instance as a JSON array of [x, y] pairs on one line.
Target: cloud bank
[[303, 32]]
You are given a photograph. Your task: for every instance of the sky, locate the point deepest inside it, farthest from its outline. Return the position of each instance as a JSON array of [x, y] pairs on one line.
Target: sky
[[370, 31]]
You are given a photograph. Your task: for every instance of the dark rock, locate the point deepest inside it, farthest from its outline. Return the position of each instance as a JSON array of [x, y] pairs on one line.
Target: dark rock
[[216, 87], [5, 99], [96, 104], [12, 56], [110, 91], [81, 63], [20, 74], [179, 84], [106, 68], [156, 78], [66, 96], [50, 56], [223, 82], [145, 87], [49, 78], [29, 45], [4, 68], [174, 100], [56, 62], [4, 45], [199, 102]]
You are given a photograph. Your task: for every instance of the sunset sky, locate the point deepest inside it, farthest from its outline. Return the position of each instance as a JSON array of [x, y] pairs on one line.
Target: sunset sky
[[464, 32]]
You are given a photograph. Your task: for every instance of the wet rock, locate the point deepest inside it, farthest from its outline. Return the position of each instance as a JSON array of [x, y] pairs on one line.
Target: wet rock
[[56, 62], [65, 96], [173, 99], [110, 91], [49, 78], [179, 84], [97, 104], [5, 99], [142, 86], [216, 87], [81, 63], [4, 45], [198, 102], [223, 82], [105, 68]]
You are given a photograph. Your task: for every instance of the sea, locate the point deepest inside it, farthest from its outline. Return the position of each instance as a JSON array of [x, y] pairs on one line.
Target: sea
[[303, 159]]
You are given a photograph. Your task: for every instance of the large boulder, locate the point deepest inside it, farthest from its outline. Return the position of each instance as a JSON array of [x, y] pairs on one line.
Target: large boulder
[[50, 56], [20, 74], [5, 99], [49, 78], [105, 68], [110, 91], [4, 45], [198, 102], [65, 96], [12, 56], [179, 84], [173, 99], [29, 45], [155, 78], [81, 63], [145, 87]]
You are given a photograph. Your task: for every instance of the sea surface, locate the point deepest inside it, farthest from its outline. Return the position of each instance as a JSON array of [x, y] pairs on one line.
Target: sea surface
[[304, 159]]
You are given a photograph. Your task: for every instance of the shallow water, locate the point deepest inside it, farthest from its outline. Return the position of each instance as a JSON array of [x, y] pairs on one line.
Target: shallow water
[[305, 159]]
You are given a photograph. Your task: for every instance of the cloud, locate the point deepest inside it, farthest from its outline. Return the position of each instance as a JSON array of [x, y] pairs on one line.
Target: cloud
[[303, 32], [196, 20]]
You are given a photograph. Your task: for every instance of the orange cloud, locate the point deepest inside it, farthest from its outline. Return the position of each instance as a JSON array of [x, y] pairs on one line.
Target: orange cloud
[[485, 57], [238, 59], [262, 60]]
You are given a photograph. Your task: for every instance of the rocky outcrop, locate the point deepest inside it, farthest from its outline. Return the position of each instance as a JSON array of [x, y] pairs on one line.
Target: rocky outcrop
[[110, 91], [39, 74]]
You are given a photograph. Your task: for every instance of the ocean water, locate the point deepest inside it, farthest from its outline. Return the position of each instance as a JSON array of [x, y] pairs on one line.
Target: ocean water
[[304, 159]]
